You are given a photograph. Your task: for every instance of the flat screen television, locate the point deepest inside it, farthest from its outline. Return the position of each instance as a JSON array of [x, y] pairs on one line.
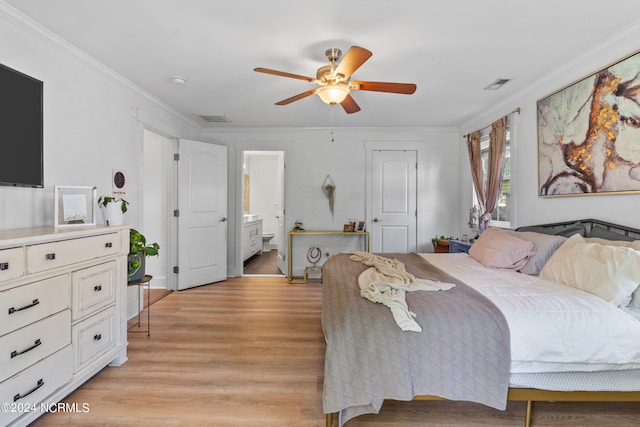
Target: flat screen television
[[21, 129]]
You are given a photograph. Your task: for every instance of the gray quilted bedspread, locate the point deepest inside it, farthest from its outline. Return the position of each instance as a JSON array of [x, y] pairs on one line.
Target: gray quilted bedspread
[[462, 353]]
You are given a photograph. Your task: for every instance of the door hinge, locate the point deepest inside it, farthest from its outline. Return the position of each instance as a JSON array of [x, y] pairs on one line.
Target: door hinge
[[176, 212], [176, 269], [176, 156]]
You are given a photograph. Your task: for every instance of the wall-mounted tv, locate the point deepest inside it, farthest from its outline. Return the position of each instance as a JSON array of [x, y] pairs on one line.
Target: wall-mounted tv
[[21, 129]]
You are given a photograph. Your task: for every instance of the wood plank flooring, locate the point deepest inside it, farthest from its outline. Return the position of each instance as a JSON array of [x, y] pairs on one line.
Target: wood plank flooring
[[262, 263], [249, 352]]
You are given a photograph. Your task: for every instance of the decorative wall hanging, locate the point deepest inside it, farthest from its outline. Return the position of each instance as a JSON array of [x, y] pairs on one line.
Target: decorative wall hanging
[[329, 189], [589, 134]]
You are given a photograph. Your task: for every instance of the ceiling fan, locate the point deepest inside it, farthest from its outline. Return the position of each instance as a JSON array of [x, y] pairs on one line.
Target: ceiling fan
[[333, 80]]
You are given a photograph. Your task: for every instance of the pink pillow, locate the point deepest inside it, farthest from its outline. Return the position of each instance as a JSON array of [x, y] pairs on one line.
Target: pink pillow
[[497, 249]]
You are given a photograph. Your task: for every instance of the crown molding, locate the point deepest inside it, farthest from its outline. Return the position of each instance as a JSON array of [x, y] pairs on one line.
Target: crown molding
[[29, 25]]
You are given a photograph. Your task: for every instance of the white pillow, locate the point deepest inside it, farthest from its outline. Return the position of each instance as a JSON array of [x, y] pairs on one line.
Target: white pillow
[[497, 249], [545, 245], [609, 272], [635, 244]]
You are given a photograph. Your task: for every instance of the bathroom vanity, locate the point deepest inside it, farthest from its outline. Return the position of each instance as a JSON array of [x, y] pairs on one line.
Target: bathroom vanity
[[251, 236]]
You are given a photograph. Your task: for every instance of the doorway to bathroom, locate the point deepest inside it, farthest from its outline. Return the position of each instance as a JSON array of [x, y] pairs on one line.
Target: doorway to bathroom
[[263, 234]]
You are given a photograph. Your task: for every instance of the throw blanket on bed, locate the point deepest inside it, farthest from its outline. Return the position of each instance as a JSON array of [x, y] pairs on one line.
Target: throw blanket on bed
[[386, 281], [463, 352]]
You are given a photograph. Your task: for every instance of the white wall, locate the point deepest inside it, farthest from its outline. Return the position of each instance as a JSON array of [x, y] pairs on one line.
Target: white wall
[[89, 123], [310, 155], [158, 201], [264, 195], [529, 208], [93, 123]]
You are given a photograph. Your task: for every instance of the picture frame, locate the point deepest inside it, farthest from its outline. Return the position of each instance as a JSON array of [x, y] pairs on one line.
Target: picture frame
[[361, 225], [74, 206], [348, 228], [586, 141]]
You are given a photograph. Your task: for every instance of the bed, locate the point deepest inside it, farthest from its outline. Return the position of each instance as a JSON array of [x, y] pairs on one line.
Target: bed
[[506, 330]]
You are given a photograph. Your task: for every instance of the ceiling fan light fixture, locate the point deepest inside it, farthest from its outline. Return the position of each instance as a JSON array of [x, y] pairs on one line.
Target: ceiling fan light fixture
[[333, 94]]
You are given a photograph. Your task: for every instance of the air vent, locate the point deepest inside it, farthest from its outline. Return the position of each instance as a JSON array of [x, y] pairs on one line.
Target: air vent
[[215, 118], [497, 84]]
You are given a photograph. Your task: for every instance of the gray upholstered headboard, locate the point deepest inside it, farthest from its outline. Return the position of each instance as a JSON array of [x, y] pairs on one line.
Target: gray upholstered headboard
[[587, 228]]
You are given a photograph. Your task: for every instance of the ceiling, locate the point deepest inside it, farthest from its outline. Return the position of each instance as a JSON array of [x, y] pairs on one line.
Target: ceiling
[[451, 49]]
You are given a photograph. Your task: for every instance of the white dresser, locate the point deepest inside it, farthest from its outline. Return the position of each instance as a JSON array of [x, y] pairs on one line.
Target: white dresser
[[62, 313]]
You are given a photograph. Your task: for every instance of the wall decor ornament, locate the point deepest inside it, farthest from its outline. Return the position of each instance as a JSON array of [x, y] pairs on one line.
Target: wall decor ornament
[[589, 134], [329, 189]]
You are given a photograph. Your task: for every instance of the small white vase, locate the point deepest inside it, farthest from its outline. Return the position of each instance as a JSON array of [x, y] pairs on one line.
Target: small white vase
[[112, 213]]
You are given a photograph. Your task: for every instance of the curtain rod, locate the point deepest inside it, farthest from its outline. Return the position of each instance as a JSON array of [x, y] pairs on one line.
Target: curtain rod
[[517, 110]]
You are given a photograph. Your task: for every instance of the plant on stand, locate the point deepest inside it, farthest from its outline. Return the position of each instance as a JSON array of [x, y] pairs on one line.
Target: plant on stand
[[113, 209], [441, 243], [138, 251]]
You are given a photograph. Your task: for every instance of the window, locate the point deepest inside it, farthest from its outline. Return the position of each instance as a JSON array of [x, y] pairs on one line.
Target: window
[[502, 215]]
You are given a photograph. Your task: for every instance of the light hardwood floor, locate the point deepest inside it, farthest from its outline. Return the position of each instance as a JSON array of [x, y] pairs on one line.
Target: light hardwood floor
[[249, 352]]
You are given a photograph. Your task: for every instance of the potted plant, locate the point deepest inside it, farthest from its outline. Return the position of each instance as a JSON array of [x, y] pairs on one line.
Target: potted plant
[[113, 209], [138, 251], [441, 243]]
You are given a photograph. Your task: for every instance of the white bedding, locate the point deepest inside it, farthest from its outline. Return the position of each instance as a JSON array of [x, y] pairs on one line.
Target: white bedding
[[554, 328]]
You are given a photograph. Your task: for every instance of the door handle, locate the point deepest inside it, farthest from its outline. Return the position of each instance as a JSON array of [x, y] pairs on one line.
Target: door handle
[[223, 219], [377, 220]]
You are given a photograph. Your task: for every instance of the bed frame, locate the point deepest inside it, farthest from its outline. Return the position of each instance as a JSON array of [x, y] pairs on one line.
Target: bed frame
[[588, 228], [530, 395]]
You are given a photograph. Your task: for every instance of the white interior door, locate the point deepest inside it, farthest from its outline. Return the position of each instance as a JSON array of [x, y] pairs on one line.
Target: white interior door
[[281, 235], [393, 210], [202, 220]]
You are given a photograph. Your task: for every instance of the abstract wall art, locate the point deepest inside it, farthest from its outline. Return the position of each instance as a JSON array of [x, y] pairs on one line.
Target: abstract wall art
[[589, 134]]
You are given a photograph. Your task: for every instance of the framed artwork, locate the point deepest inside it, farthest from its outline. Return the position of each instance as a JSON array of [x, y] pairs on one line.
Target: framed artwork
[[74, 206], [589, 134]]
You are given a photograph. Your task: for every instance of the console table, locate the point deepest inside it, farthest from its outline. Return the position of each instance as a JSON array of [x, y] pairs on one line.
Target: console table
[[303, 279]]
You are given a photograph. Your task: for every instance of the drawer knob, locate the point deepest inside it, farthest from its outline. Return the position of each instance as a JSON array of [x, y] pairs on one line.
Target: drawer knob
[[108, 245], [97, 337], [15, 353], [4, 266], [50, 257], [20, 396], [97, 288], [34, 303]]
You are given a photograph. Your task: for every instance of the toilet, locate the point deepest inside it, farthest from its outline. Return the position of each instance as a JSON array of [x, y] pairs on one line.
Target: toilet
[[266, 247]]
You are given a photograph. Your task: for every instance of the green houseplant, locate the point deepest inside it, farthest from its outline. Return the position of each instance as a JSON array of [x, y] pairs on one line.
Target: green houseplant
[[113, 209], [139, 250], [441, 243]]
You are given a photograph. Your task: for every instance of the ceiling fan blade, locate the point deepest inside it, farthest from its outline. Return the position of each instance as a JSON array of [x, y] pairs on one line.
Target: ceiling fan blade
[[350, 105], [352, 60], [296, 97], [284, 74], [404, 88]]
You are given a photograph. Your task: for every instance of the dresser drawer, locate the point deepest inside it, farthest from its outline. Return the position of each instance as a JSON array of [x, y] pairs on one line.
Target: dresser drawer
[[29, 303], [24, 347], [93, 337], [57, 254], [93, 288], [11, 263], [34, 384]]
